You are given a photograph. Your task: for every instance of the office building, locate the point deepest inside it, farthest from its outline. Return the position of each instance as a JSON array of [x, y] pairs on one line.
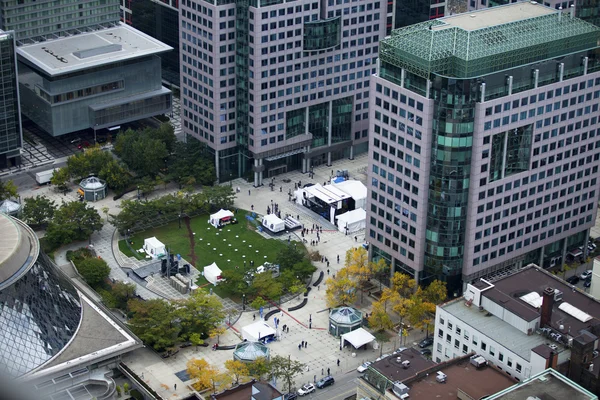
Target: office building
[[273, 86], [11, 137], [53, 338], [80, 68], [159, 19], [522, 324], [484, 143]]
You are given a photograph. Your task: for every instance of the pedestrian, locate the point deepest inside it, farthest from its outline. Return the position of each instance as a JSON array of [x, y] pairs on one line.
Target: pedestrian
[[356, 238], [287, 329], [328, 371], [327, 264], [327, 271], [128, 274], [319, 287], [299, 347], [302, 343], [305, 344], [322, 371], [248, 192], [280, 189], [338, 362], [252, 207], [338, 258], [298, 217], [253, 317], [322, 258]]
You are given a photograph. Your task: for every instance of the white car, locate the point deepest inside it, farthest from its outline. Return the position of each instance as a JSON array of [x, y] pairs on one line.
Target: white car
[[382, 357], [362, 368], [306, 389], [586, 274]]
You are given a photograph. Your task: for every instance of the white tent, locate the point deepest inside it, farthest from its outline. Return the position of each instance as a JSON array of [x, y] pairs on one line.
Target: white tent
[[257, 331], [273, 223], [212, 273], [154, 247], [354, 220], [357, 190], [357, 338], [217, 218]]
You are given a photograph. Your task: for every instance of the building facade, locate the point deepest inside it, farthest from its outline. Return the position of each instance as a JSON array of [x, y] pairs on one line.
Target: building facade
[[11, 136], [484, 147], [273, 86]]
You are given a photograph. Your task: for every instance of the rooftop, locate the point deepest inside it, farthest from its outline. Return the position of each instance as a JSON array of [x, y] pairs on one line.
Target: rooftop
[[19, 248], [485, 41], [392, 368], [548, 384], [508, 290], [476, 383], [249, 390], [88, 50]]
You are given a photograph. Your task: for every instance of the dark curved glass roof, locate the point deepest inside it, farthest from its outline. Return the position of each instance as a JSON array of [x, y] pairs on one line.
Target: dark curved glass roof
[[345, 315], [40, 310]]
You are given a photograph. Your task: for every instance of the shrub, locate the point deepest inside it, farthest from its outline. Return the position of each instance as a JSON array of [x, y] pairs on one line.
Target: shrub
[[94, 270]]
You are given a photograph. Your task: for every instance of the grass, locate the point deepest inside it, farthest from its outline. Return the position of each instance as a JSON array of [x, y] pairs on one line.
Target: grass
[[127, 251], [228, 247]]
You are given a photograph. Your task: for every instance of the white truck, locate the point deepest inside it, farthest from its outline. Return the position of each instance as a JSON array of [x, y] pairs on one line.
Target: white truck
[[44, 177]]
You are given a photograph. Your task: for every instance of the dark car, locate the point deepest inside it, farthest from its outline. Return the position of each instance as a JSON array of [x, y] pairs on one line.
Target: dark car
[[428, 341], [101, 139], [290, 396], [327, 381], [426, 352], [573, 280], [587, 283]]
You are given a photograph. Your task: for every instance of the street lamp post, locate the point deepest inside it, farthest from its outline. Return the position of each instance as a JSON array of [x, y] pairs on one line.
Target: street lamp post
[[138, 194], [179, 221], [243, 301]]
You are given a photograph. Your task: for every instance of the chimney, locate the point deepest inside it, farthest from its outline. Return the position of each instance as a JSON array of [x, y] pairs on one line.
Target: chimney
[[547, 303], [552, 362]]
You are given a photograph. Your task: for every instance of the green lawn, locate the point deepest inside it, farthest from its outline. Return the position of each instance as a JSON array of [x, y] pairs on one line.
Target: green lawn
[[125, 250], [228, 247]]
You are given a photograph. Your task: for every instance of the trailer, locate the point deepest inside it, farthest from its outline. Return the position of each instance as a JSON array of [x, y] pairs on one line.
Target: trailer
[[44, 177]]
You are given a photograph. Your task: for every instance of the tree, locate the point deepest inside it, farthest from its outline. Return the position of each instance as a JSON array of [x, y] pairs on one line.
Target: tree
[[203, 373], [144, 151], [219, 196], [8, 190], [192, 164], [259, 368], [154, 321], [379, 319], [123, 292], [359, 267], [286, 369], [403, 284], [267, 286], [60, 178], [196, 340], [258, 302], [94, 270], [436, 293], [237, 369], [341, 290], [200, 313], [73, 221], [38, 210], [289, 256], [90, 162], [421, 312], [115, 174]]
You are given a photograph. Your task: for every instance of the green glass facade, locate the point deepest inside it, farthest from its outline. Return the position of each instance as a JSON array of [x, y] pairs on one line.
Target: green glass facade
[[323, 34], [511, 152], [341, 120], [241, 73], [295, 123]]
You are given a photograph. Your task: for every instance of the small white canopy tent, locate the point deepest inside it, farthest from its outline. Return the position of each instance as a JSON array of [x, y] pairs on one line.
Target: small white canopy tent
[[273, 223], [215, 219], [356, 190], [212, 273], [257, 331], [154, 247], [357, 338], [354, 220]]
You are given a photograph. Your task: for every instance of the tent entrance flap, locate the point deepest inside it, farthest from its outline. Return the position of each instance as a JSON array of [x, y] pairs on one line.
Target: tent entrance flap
[[357, 338]]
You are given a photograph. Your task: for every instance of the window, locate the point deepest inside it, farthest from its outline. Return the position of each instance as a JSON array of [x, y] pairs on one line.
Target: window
[[518, 369], [458, 331], [492, 351], [449, 325], [456, 343], [509, 362], [465, 349], [500, 356], [483, 346], [475, 340], [466, 334], [440, 333]]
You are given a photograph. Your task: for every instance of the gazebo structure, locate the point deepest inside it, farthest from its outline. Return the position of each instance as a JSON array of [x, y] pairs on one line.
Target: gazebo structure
[[10, 207], [250, 351], [343, 320], [92, 189]]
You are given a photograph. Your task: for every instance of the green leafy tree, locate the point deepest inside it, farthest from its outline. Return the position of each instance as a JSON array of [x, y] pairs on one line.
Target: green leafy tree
[[267, 286], [93, 270], [379, 319], [219, 196], [123, 292], [192, 164], [290, 256], [259, 369], [237, 370], [147, 185], [144, 151], [341, 290], [115, 174], [303, 269], [8, 190], [73, 221], [154, 321], [200, 313], [60, 178], [38, 210], [286, 369], [258, 302], [196, 340], [90, 162]]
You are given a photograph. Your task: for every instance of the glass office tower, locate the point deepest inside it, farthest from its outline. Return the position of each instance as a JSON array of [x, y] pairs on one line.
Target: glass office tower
[[11, 137]]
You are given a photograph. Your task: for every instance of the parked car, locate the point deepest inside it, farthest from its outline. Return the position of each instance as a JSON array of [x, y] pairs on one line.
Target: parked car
[[398, 350], [573, 280], [428, 341], [363, 367], [306, 389], [327, 381], [586, 274], [382, 357], [426, 352], [290, 396], [587, 283]]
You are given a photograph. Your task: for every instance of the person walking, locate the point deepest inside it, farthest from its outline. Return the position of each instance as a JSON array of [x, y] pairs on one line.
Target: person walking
[[248, 192], [328, 371], [305, 344], [253, 317], [299, 347], [338, 258], [338, 362], [327, 271]]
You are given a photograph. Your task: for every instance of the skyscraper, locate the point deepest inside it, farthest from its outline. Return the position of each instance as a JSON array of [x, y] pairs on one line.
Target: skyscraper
[[273, 86], [11, 137], [484, 142]]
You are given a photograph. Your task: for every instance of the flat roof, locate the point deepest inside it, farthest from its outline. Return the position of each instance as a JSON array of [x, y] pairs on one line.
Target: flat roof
[[19, 248], [394, 371], [477, 383], [508, 290], [493, 327], [548, 384], [92, 49], [494, 16]]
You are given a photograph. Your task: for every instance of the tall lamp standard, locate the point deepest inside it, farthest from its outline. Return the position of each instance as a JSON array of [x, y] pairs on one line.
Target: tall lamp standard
[[179, 221], [138, 195], [243, 301]]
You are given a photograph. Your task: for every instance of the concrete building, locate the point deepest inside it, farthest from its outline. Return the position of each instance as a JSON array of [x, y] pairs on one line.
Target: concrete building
[[273, 86], [421, 379], [523, 324], [484, 152], [11, 136], [79, 68], [54, 339]]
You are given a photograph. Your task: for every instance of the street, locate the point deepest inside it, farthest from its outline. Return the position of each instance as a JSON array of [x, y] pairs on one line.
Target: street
[[344, 386]]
